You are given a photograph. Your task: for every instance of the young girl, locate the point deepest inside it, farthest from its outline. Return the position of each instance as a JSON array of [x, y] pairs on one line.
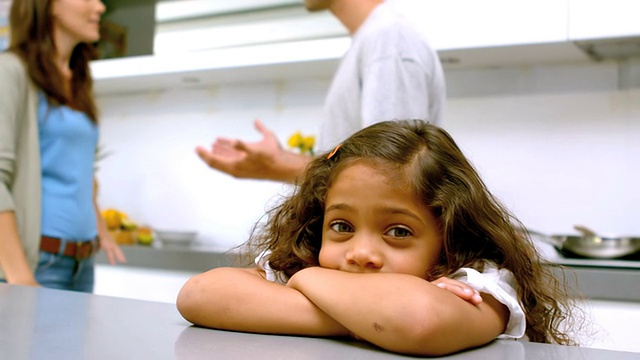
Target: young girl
[[359, 247], [49, 221]]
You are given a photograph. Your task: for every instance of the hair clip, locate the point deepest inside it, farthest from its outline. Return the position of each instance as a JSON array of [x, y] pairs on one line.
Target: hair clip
[[334, 151]]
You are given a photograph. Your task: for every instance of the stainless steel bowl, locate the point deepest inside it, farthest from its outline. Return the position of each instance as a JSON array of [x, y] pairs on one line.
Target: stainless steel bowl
[[176, 238]]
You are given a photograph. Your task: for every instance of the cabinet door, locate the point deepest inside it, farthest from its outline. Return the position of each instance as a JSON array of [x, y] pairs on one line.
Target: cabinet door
[[595, 19], [459, 24]]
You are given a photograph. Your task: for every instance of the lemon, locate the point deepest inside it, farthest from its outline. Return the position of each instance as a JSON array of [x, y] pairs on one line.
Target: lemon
[[112, 217], [145, 235], [127, 224]]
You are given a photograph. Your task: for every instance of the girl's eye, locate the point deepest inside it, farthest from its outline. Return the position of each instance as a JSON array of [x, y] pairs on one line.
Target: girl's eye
[[340, 226], [399, 232]]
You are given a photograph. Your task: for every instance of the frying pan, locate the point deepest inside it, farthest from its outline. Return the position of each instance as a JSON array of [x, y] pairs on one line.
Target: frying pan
[[591, 245]]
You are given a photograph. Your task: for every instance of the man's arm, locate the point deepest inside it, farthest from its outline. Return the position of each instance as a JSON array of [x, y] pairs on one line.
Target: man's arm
[[402, 313], [242, 300]]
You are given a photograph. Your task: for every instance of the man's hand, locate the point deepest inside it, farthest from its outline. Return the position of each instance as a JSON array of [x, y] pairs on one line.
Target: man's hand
[[264, 159]]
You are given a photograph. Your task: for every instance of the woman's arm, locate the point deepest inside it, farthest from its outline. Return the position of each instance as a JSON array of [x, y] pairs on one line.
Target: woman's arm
[[242, 300], [107, 244], [13, 97], [12, 257], [402, 313]]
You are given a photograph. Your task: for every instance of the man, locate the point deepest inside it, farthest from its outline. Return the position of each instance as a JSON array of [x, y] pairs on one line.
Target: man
[[389, 72]]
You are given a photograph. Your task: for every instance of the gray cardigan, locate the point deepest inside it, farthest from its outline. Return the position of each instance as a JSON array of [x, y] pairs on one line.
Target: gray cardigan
[[20, 170]]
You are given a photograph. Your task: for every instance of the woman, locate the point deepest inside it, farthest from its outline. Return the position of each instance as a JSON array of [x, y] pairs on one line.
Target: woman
[[49, 221]]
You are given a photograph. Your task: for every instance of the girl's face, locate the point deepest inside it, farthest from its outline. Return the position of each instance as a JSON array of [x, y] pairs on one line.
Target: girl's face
[[371, 226], [77, 20]]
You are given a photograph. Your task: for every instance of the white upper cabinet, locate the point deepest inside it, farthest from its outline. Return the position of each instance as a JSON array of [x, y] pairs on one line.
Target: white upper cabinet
[[601, 19], [466, 33], [458, 24]]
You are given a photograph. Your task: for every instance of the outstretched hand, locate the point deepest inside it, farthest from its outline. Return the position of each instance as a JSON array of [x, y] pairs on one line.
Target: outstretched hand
[[264, 159], [240, 159]]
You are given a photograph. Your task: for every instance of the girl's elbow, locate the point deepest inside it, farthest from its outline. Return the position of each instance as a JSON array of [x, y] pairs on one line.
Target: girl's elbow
[[424, 335], [188, 300]]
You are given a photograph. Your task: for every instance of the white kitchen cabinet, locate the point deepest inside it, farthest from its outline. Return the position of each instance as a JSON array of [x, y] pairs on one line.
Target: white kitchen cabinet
[[139, 283], [613, 325], [459, 24], [250, 64], [599, 19], [466, 33]]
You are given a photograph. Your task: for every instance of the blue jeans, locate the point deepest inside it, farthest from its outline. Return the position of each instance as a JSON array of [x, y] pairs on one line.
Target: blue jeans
[[66, 273]]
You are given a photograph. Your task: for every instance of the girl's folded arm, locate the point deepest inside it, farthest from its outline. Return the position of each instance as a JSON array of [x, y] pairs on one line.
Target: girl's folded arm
[[402, 313], [242, 300]]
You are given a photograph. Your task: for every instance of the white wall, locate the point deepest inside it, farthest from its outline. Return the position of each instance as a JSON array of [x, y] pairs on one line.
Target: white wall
[[560, 145], [154, 174]]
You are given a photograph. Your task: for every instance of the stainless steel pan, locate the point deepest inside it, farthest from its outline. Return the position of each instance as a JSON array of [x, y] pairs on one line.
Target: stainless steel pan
[[591, 245]]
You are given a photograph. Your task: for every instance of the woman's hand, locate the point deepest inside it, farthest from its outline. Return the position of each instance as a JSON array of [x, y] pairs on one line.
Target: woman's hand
[[460, 289], [106, 242], [111, 249]]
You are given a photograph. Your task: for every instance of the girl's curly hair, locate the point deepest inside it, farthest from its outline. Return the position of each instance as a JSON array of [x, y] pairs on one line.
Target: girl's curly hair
[[476, 228]]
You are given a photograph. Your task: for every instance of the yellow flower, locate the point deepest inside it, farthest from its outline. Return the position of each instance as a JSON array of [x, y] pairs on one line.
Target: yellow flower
[[295, 140], [307, 144], [303, 143]]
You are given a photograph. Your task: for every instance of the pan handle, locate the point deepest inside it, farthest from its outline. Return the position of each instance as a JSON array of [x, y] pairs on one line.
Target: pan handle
[[549, 239]]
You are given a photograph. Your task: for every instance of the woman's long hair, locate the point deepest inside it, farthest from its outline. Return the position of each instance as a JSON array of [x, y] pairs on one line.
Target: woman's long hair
[[31, 28], [476, 229]]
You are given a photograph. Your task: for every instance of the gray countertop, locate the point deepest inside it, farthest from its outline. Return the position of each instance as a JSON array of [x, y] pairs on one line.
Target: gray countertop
[[39, 323], [196, 258], [595, 279]]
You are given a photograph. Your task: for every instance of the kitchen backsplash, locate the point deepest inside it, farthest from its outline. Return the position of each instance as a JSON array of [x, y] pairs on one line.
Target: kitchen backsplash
[[559, 145]]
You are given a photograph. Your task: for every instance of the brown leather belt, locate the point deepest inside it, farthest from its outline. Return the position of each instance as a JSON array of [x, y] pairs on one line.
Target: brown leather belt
[[79, 250]]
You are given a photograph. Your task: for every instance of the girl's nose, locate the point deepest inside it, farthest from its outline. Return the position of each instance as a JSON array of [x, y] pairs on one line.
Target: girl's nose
[[101, 7], [364, 253]]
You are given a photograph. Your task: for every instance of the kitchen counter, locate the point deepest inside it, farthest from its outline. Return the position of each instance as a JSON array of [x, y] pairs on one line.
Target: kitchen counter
[[195, 258], [595, 279], [39, 323]]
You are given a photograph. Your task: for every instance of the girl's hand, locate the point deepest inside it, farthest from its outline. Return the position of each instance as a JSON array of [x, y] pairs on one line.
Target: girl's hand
[[460, 289]]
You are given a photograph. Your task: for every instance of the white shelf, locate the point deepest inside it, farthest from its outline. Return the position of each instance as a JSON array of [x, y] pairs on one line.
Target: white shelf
[[288, 61], [304, 59]]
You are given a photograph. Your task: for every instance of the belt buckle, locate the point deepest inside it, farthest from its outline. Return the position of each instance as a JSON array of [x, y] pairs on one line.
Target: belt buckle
[[83, 250]]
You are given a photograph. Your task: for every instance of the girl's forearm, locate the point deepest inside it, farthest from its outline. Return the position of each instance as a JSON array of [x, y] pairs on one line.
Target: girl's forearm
[[239, 299], [401, 313], [370, 307]]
